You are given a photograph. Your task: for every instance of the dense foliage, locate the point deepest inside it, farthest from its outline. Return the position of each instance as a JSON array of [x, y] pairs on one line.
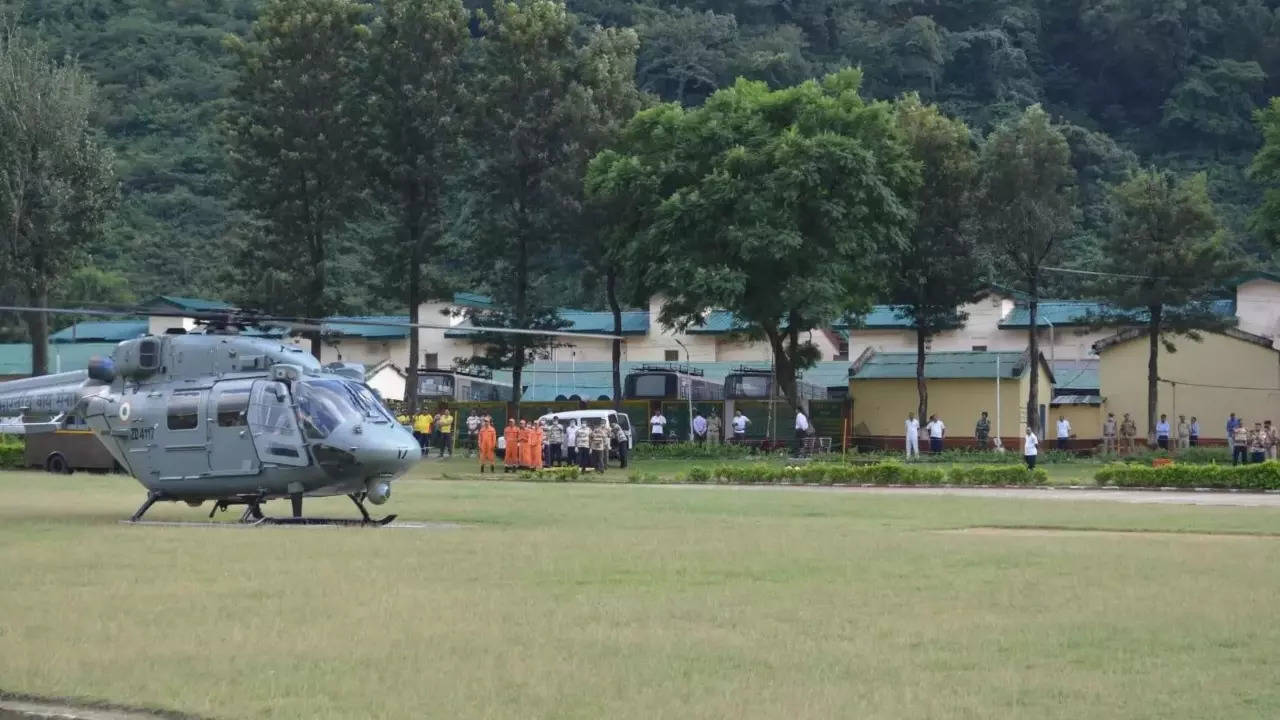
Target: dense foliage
[[1172, 84], [1259, 476]]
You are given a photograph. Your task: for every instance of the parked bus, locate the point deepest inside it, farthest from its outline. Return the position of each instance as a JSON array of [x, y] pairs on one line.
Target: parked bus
[[69, 448], [670, 382], [758, 384], [435, 386]]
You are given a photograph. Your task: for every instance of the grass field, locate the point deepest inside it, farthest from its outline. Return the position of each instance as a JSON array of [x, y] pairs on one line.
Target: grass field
[[619, 601]]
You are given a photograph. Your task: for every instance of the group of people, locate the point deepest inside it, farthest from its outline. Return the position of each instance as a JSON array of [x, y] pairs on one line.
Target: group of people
[[709, 429], [433, 430], [1255, 445], [533, 445], [937, 434]]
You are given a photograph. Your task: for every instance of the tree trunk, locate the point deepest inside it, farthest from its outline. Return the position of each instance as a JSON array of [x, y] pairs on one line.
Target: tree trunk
[[922, 388], [522, 291], [1153, 371], [315, 300], [783, 368], [38, 330], [611, 290], [1033, 395], [415, 299]]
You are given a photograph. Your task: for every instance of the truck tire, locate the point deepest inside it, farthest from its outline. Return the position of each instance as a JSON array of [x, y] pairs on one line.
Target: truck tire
[[57, 464]]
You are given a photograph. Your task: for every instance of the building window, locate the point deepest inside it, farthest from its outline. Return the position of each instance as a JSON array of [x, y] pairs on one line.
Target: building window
[[842, 350], [431, 361], [979, 348], [672, 356]]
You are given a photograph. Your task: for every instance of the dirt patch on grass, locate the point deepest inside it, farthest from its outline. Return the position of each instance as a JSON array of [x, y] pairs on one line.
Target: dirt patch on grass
[[29, 709], [1088, 532]]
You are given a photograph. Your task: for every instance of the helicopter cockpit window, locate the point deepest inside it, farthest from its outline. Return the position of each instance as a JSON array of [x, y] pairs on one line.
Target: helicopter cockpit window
[[370, 403], [323, 405], [233, 407], [184, 411]]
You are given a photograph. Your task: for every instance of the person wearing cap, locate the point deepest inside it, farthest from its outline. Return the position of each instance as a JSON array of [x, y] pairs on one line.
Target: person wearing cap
[[982, 432], [1109, 434]]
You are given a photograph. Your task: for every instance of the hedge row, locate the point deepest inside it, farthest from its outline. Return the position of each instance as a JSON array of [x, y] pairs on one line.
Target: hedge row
[[879, 474], [13, 453], [553, 474], [1261, 476], [689, 451]]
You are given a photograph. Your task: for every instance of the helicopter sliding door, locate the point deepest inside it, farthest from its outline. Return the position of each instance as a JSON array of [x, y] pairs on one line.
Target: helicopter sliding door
[[274, 425], [231, 450]]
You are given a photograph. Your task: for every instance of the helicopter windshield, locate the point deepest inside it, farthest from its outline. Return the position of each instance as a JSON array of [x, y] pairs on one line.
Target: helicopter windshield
[[323, 405]]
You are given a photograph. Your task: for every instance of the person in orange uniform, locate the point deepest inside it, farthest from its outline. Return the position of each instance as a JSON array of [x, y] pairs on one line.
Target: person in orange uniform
[[522, 441], [512, 435], [535, 445], [487, 442]]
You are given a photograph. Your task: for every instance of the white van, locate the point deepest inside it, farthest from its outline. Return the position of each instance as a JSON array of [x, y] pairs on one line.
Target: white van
[[613, 416]]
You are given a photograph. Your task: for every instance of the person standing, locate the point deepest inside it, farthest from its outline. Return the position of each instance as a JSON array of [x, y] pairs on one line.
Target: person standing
[[555, 442], [620, 442], [486, 444], [1064, 432], [446, 432], [1233, 422], [422, 431], [540, 448], [1109, 434], [699, 428], [912, 431], [1128, 431], [740, 423], [1184, 433], [1258, 442], [600, 446], [583, 442], [715, 428], [802, 431], [982, 432], [1239, 443], [511, 437], [1030, 448], [937, 431], [1194, 432], [1162, 433], [1272, 441], [657, 425], [474, 422], [571, 443]]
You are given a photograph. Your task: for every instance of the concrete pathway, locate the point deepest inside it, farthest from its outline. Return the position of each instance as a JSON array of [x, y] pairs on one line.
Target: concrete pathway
[[1155, 497]]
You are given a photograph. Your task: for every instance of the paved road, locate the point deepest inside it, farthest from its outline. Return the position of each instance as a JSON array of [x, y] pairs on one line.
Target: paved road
[[1154, 497]]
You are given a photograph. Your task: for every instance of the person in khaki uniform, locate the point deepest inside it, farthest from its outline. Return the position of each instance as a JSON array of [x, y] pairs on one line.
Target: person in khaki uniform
[[1271, 442], [715, 428], [583, 441], [1128, 431], [1109, 434], [600, 446]]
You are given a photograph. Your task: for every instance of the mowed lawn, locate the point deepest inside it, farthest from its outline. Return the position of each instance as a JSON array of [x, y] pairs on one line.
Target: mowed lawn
[[622, 601]]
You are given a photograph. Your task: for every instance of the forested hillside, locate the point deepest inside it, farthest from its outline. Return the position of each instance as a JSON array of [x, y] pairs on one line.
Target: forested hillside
[[1172, 83]]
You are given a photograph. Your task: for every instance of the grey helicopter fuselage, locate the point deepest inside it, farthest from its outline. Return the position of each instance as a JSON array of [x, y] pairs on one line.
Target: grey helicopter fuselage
[[224, 417]]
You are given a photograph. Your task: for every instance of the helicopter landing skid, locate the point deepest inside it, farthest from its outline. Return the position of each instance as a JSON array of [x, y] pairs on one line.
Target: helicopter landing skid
[[341, 522], [253, 514]]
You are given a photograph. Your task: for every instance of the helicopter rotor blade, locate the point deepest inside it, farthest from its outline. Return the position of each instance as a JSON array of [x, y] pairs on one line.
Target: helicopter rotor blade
[[249, 317]]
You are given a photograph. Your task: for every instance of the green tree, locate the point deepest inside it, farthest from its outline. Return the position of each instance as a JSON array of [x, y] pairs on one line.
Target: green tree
[[295, 141], [938, 269], [782, 207], [1265, 170], [1025, 204], [1165, 232], [56, 182], [544, 95], [413, 116]]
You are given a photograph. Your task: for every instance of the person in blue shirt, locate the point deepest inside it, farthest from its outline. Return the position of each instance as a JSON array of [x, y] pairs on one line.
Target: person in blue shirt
[[1162, 432], [1195, 431], [1233, 422]]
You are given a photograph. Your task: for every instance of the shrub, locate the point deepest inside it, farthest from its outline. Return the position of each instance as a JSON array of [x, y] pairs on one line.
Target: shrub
[[556, 474], [1261, 476], [13, 453], [688, 451], [643, 478], [698, 475], [997, 475]]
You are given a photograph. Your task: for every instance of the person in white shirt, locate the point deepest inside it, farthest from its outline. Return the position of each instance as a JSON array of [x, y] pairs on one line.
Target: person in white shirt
[[913, 436], [740, 423], [1162, 432], [937, 431], [571, 443], [1029, 450], [802, 431], [699, 429], [1064, 432], [657, 424]]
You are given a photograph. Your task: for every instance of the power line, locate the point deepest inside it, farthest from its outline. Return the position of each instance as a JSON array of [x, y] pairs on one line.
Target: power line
[[1219, 387], [1103, 274]]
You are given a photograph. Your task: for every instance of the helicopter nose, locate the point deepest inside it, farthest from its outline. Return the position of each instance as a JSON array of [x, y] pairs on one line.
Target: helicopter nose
[[391, 454]]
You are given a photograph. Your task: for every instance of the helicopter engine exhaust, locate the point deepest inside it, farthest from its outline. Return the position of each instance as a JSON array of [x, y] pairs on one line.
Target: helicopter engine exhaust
[[378, 491]]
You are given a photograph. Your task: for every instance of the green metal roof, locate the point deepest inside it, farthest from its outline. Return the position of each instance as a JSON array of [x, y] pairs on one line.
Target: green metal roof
[[186, 303], [336, 326], [941, 365], [634, 322], [1076, 375], [589, 380], [1066, 313], [470, 299], [718, 322], [100, 331], [15, 358]]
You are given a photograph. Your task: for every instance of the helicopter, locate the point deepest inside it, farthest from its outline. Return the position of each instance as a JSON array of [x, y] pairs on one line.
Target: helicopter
[[229, 418]]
